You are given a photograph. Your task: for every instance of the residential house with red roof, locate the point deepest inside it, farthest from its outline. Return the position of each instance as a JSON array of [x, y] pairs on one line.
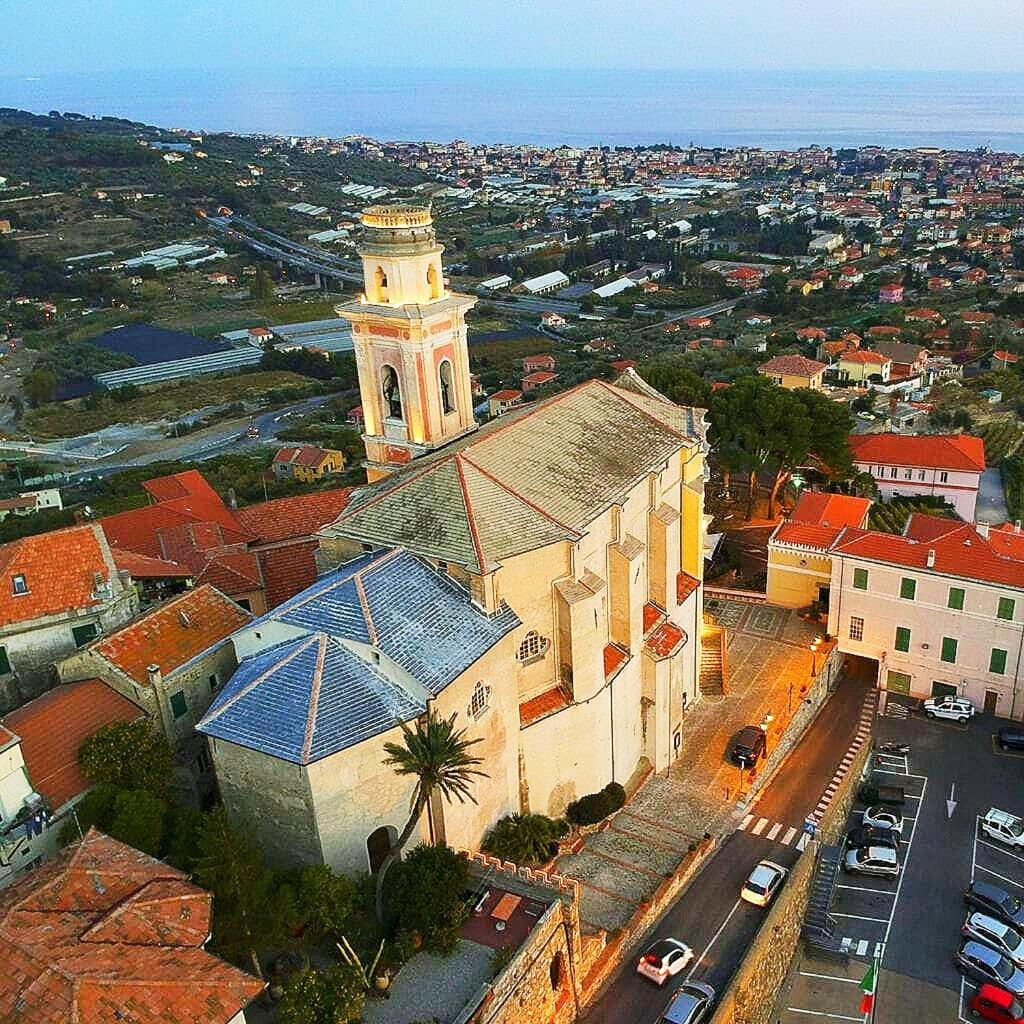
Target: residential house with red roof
[[58, 591], [936, 610], [306, 462], [890, 294], [102, 932], [863, 364], [171, 661], [259, 555], [793, 372], [40, 780], [948, 466]]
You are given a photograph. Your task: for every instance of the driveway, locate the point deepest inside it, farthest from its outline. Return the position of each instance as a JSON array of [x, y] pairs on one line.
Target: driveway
[[991, 499]]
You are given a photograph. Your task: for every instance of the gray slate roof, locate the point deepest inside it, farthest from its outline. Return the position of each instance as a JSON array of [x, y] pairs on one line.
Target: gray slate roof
[[529, 479]]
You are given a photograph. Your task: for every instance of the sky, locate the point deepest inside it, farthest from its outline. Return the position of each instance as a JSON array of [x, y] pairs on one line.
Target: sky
[[86, 36]]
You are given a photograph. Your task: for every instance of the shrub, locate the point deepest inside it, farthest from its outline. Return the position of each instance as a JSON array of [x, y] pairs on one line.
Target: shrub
[[595, 807], [525, 838], [334, 996], [616, 795], [425, 895]]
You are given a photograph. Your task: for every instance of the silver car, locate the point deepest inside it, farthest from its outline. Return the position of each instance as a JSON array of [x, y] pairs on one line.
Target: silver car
[[872, 860], [880, 816], [1001, 937]]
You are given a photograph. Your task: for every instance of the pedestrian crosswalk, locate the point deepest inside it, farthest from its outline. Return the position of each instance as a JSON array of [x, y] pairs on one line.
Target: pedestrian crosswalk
[[774, 831]]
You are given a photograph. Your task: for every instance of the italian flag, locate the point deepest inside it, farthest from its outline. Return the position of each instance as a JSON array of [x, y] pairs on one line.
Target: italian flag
[[867, 986]]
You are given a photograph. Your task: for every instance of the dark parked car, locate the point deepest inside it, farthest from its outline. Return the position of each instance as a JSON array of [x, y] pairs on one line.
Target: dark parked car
[[1011, 738], [995, 902], [747, 747], [692, 1004], [867, 836], [873, 793]]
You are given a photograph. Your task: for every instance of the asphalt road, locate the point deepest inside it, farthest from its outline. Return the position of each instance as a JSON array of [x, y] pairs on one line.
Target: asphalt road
[[709, 916]]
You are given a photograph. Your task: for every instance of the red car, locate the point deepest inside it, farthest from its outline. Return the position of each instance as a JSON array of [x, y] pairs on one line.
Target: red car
[[993, 1003]]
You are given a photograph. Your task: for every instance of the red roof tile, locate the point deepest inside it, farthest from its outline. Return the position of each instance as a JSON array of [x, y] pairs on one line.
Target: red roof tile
[[301, 516], [665, 639], [652, 616], [544, 704], [142, 567], [287, 570], [797, 366], [102, 933], [685, 586], [807, 535], [938, 451], [52, 728], [58, 568], [172, 634], [864, 356], [614, 656], [1008, 540], [825, 509]]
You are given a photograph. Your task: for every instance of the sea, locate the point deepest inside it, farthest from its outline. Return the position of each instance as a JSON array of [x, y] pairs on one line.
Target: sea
[[769, 109]]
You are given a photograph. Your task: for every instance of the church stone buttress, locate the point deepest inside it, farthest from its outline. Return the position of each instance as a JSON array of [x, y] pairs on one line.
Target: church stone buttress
[[409, 333]]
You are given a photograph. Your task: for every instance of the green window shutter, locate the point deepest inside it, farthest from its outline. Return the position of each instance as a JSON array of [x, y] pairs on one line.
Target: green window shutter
[[997, 661], [948, 649], [1005, 609], [908, 588], [956, 599], [860, 579], [902, 639], [179, 706], [5, 663], [898, 682]]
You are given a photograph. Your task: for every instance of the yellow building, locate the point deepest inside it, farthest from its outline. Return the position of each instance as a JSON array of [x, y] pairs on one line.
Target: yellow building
[[794, 372], [307, 463], [538, 577]]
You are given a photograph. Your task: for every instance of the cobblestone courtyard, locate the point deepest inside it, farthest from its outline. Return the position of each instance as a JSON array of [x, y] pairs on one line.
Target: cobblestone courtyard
[[769, 661]]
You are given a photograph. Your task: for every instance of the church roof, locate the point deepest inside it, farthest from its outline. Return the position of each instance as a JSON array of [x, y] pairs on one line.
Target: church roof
[[305, 699], [536, 476]]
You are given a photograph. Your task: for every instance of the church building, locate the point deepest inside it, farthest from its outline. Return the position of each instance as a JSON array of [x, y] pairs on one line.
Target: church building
[[538, 577]]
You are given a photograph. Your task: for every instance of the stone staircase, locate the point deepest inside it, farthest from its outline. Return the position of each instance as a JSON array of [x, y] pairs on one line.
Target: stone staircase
[[713, 661]]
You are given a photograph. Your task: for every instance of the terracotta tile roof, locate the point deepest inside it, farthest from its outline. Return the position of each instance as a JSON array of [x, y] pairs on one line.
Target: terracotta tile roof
[[172, 634], [807, 535], [665, 639], [58, 568], [301, 516], [233, 572], [102, 933], [1008, 540], [301, 455], [825, 509], [544, 704], [287, 570], [52, 728], [614, 656], [685, 586], [923, 527], [652, 616], [797, 366], [864, 356], [142, 567], [506, 395], [938, 451]]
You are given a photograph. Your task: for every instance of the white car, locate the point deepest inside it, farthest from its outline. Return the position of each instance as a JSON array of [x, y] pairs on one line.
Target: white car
[[959, 709], [1005, 827], [763, 883], [880, 816], [664, 960]]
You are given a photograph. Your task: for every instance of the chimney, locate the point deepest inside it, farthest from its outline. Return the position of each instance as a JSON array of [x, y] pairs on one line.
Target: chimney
[[982, 529], [232, 499], [931, 558], [155, 676]]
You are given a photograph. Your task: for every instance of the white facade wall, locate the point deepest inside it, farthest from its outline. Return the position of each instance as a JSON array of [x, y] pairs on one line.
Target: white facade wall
[[976, 629], [958, 487]]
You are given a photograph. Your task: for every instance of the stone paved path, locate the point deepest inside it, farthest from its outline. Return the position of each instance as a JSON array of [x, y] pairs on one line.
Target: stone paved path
[[768, 649]]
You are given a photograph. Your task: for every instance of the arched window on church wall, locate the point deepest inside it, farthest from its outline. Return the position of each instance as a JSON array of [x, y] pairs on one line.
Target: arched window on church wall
[[381, 281], [392, 393], [447, 383]]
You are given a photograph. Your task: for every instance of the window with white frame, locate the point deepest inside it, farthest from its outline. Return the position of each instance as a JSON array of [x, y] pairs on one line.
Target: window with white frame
[[908, 474], [479, 700], [533, 646], [943, 477], [920, 475], [856, 627]]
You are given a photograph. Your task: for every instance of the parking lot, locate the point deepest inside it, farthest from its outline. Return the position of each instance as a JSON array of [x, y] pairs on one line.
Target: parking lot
[[952, 776]]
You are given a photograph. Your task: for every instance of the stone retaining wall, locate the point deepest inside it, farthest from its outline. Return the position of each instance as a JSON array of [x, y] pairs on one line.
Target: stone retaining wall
[[750, 996]]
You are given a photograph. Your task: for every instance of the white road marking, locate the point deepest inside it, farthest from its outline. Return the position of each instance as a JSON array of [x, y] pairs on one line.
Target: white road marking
[[759, 827], [774, 830], [989, 871], [714, 939], [819, 1013], [788, 837], [861, 888], [862, 947], [860, 917], [903, 872], [802, 842], [1001, 849], [828, 977], [746, 821]]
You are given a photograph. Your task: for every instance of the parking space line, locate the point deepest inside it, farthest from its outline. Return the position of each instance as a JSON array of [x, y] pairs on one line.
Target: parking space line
[[903, 869], [974, 846], [828, 977], [860, 917], [861, 888], [989, 871], [819, 1013], [909, 775], [1005, 853]]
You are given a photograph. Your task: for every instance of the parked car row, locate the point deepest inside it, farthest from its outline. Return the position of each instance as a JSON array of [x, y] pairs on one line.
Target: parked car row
[[991, 952], [872, 847]]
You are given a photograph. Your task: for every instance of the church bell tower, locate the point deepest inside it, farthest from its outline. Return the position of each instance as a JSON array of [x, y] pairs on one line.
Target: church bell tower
[[410, 341]]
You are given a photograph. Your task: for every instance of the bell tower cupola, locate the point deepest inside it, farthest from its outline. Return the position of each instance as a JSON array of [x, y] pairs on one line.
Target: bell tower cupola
[[409, 334]]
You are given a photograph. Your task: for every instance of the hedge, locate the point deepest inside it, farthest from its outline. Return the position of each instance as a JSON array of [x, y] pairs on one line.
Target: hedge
[[595, 807]]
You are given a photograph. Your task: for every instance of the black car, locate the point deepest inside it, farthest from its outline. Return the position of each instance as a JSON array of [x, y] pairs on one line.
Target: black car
[[865, 835], [1011, 738], [995, 902], [873, 793], [747, 747]]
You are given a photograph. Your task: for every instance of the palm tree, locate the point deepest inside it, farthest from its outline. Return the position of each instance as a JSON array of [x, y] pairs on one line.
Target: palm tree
[[437, 754]]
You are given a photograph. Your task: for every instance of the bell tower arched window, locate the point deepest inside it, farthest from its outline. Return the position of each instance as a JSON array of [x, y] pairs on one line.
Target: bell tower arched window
[[447, 383], [392, 393], [381, 281]]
